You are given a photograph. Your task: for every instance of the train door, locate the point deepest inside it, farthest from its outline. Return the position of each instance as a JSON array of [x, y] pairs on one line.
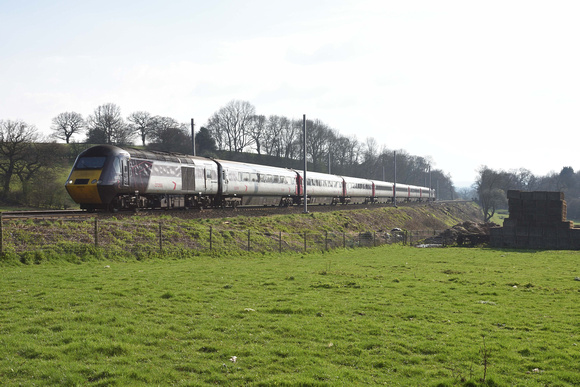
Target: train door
[[211, 177], [125, 172], [300, 186], [224, 182]]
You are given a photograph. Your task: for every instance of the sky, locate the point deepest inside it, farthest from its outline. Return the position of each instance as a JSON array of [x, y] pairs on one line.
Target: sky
[[463, 83]]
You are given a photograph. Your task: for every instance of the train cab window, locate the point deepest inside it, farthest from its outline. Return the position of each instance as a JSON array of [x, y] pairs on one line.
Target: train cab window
[[91, 162]]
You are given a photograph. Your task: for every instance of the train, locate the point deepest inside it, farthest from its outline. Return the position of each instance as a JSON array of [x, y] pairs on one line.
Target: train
[[113, 178]]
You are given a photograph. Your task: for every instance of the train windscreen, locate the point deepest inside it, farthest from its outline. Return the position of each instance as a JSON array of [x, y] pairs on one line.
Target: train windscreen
[[91, 163]]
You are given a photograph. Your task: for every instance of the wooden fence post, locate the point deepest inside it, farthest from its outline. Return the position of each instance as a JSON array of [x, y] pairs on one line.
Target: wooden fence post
[[326, 241], [1, 236], [210, 240], [96, 231], [160, 239], [304, 241], [248, 240], [280, 241]]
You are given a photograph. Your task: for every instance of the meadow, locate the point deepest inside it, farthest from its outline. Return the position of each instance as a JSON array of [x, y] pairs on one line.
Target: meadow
[[391, 315]]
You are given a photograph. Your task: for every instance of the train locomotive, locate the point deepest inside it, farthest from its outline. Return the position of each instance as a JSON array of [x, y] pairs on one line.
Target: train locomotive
[[111, 178]]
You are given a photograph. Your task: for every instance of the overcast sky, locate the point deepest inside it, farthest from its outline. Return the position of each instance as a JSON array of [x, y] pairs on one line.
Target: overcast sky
[[465, 83]]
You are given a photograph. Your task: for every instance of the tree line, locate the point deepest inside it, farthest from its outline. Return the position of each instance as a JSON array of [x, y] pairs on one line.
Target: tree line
[[492, 185], [235, 131]]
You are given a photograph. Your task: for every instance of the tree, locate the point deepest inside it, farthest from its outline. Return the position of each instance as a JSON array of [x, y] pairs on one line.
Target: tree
[[169, 135], [15, 140], [204, 142], [106, 125], [491, 191], [257, 130], [230, 126], [318, 136], [65, 125], [141, 124], [39, 157]]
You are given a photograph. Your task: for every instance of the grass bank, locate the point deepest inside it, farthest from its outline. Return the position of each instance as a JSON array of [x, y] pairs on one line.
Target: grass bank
[[391, 315], [144, 236]]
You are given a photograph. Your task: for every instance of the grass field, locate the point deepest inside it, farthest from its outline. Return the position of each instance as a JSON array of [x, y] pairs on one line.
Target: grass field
[[391, 315]]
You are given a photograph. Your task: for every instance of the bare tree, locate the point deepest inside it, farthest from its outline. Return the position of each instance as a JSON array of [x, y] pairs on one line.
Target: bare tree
[[289, 137], [65, 125], [257, 130], [230, 126], [272, 136], [141, 124], [318, 135], [15, 140], [107, 124]]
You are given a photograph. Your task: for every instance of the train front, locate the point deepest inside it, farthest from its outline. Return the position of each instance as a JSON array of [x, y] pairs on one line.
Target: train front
[[98, 176]]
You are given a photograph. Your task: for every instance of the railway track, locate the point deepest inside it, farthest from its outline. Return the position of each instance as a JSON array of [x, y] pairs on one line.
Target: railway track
[[203, 213], [49, 214]]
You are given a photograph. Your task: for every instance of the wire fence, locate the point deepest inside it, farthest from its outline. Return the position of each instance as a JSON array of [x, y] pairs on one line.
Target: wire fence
[[137, 237]]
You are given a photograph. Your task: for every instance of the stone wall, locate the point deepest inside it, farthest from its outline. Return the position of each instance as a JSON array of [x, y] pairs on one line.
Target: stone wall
[[537, 220]]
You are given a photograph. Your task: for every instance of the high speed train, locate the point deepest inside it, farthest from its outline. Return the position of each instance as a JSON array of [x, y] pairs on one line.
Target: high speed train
[[112, 178]]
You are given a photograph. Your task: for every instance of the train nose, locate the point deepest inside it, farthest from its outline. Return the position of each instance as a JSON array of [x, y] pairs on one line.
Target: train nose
[[82, 186]]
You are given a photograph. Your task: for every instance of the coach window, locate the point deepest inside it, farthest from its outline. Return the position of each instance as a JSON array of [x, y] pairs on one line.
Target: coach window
[[254, 177]]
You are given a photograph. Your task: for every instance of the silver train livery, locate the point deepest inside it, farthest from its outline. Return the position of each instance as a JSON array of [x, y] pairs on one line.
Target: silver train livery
[[111, 178]]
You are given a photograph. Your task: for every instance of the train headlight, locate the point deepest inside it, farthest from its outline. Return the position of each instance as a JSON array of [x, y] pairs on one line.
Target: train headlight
[[70, 181]]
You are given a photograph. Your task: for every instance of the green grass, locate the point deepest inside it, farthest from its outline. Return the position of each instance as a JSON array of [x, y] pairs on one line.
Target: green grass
[[391, 315]]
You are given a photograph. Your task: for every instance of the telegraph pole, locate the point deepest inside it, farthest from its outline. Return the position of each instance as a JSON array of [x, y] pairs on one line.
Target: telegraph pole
[[193, 136], [395, 182], [305, 164]]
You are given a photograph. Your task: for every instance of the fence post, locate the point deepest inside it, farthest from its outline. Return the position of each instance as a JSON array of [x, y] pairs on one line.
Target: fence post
[[1, 236], [374, 239], [344, 240], [326, 241], [248, 240], [280, 241], [210, 240], [304, 241], [160, 238], [96, 231]]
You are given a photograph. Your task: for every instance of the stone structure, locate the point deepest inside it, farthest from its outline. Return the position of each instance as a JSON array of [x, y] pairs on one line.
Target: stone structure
[[537, 220]]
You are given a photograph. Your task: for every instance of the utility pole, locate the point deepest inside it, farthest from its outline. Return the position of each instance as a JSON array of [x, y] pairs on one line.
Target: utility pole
[[305, 164], [395, 182], [193, 136]]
